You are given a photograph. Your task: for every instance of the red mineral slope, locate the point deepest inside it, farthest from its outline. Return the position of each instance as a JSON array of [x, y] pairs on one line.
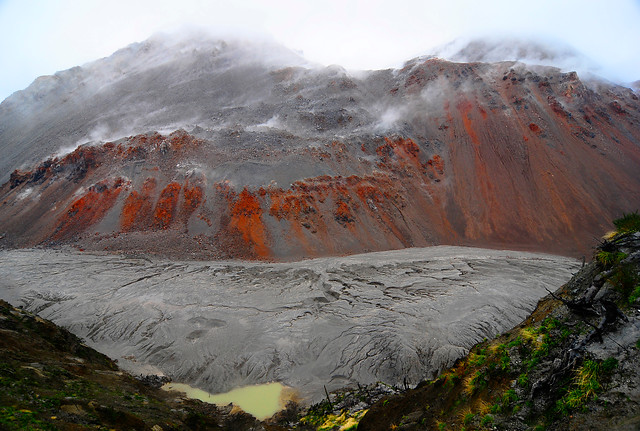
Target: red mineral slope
[[136, 212], [486, 155], [87, 210], [64, 197], [193, 198], [165, 210], [246, 218]]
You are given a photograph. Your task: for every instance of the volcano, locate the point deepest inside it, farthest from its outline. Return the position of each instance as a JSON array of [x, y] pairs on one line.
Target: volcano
[[232, 149]]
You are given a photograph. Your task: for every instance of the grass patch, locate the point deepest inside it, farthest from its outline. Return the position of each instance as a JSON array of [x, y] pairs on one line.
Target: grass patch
[[344, 421], [476, 382], [468, 418], [450, 380], [542, 340], [635, 294], [318, 413], [478, 359], [504, 404], [486, 420], [523, 380], [609, 258], [625, 280], [585, 385], [628, 223], [21, 419]]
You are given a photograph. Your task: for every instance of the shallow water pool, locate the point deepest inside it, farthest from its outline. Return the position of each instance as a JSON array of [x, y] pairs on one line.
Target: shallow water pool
[[260, 401]]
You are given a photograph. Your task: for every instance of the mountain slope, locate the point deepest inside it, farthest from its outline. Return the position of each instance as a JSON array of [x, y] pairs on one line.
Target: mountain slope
[[284, 160], [571, 365], [51, 381]]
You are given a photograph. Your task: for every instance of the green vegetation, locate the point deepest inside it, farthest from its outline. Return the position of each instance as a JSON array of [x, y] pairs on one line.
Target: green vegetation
[[23, 419], [468, 418], [486, 420], [523, 380], [344, 421], [498, 377], [625, 280], [318, 413], [609, 258], [50, 381], [450, 380], [586, 383], [479, 358], [628, 223], [542, 340], [320, 416], [479, 381], [635, 294]]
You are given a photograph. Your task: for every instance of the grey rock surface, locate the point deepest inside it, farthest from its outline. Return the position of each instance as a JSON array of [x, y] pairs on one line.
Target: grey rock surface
[[334, 321]]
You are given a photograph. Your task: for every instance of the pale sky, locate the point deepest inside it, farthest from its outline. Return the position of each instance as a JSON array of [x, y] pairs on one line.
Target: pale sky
[[42, 37]]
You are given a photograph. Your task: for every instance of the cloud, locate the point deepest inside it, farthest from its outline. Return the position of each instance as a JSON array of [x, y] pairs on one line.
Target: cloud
[[534, 50], [39, 38]]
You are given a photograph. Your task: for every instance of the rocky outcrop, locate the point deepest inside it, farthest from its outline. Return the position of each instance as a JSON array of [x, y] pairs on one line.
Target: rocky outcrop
[[286, 162], [571, 365]]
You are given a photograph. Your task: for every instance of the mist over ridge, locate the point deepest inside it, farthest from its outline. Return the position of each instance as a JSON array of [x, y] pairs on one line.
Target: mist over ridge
[[532, 51], [236, 148]]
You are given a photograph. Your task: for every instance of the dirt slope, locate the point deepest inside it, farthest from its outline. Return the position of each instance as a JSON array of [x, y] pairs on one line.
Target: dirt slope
[[286, 162], [51, 381]]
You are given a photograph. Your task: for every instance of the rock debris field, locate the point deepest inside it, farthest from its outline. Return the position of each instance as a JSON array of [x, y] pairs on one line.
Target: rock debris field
[[389, 316]]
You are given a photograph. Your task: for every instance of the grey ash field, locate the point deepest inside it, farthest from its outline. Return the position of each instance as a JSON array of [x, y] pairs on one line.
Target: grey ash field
[[386, 316]]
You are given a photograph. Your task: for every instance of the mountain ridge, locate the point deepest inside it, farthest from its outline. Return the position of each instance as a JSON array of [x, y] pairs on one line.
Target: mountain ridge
[[292, 162]]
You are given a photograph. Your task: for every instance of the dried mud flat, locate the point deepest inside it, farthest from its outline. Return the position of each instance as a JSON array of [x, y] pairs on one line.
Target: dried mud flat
[[386, 316]]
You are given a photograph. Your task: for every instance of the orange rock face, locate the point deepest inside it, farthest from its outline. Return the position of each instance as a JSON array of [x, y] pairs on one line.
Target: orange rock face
[[166, 207], [246, 217], [136, 212], [193, 198], [511, 160], [87, 210]]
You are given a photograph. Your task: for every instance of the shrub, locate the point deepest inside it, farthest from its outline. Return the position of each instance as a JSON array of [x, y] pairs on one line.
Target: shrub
[[586, 383], [468, 418], [628, 223], [508, 398], [478, 359], [523, 380], [515, 343], [609, 258], [479, 381], [486, 420], [634, 295], [625, 280]]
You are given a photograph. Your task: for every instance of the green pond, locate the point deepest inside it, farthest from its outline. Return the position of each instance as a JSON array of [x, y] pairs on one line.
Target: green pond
[[260, 401]]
